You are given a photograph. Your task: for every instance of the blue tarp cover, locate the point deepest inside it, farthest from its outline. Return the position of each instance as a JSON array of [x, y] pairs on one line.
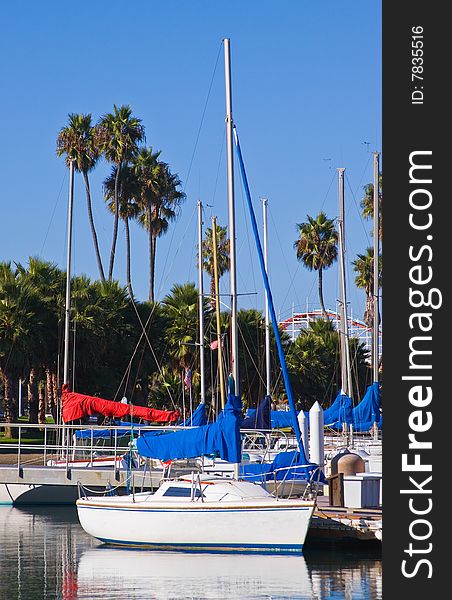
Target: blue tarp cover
[[258, 418], [100, 433], [278, 418], [199, 417], [340, 411], [368, 410], [259, 472], [222, 437]]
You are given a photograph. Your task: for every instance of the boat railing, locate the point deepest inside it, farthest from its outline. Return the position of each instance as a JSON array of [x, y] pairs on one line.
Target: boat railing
[[57, 444]]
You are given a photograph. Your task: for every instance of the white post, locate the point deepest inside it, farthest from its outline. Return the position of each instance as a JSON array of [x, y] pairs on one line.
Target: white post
[[316, 436], [304, 428]]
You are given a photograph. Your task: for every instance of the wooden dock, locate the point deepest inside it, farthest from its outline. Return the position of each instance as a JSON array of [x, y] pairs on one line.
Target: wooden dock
[[332, 524]]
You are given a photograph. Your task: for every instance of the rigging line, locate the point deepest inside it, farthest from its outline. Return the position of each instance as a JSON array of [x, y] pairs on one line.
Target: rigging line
[[54, 210], [356, 206], [42, 249], [248, 242], [328, 190], [202, 117], [292, 277], [163, 280], [250, 355], [219, 165], [152, 350]]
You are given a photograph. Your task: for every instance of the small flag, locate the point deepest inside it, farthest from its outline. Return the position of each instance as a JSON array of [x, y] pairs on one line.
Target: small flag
[[214, 344], [187, 379]]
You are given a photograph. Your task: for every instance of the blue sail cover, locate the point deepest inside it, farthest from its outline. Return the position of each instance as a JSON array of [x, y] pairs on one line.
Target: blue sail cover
[[368, 410], [97, 434], [199, 417], [286, 465], [222, 437], [340, 411], [258, 418]]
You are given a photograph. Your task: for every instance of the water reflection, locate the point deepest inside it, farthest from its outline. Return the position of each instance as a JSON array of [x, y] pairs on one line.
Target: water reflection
[[46, 554]]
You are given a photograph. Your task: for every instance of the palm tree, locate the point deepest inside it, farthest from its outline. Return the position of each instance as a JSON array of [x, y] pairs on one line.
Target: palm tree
[[119, 136], [160, 198], [367, 202], [129, 191], [180, 307], [364, 269], [47, 282], [17, 318], [316, 247], [222, 257], [79, 141]]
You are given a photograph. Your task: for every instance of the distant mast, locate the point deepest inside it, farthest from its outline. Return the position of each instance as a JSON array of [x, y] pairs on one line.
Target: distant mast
[[346, 382], [231, 204], [201, 306], [68, 274], [267, 313], [375, 362]]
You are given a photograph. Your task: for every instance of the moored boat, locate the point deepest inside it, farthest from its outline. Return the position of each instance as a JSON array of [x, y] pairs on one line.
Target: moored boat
[[202, 513]]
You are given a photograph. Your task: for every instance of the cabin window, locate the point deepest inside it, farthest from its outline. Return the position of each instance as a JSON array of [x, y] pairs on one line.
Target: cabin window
[[181, 492]]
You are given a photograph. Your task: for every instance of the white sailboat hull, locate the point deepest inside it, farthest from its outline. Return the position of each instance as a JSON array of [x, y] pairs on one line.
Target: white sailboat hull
[[246, 526]]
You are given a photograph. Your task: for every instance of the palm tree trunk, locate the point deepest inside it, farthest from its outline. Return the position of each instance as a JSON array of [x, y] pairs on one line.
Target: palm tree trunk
[[115, 226], [41, 404], [10, 403], [129, 279], [49, 392], [55, 395], [369, 312], [32, 397], [322, 305], [212, 293], [93, 229], [154, 248]]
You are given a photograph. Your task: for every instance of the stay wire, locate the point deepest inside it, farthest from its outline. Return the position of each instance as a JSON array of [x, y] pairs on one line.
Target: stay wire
[[202, 117]]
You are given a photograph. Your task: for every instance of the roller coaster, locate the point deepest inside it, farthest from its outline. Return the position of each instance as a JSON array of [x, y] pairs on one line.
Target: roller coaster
[[356, 328]]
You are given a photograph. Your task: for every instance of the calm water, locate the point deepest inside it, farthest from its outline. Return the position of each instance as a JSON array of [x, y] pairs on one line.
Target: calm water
[[44, 553]]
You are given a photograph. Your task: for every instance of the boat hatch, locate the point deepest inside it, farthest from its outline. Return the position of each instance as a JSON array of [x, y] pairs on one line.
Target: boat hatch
[[182, 492]]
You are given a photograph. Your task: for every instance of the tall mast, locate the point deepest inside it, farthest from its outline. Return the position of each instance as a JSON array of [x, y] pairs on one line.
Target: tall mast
[[376, 269], [345, 353], [232, 235], [68, 274], [267, 315], [201, 306]]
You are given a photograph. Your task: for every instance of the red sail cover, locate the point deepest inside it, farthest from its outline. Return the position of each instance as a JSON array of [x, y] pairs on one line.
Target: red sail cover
[[76, 406]]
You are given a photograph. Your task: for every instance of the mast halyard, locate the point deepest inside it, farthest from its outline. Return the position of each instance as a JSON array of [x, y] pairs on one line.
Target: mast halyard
[[346, 382], [375, 329], [68, 274], [201, 307], [267, 312], [231, 204]]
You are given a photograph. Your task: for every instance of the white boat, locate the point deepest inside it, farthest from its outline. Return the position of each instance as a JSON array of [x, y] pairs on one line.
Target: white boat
[[200, 513]]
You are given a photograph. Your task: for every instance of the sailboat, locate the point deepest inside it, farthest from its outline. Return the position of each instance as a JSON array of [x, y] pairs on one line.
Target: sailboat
[[202, 512]]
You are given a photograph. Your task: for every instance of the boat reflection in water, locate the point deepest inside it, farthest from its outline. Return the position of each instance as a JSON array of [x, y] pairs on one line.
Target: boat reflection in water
[[181, 575], [46, 554]]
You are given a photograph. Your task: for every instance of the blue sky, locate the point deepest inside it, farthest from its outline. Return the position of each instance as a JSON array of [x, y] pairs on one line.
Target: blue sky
[[306, 96]]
